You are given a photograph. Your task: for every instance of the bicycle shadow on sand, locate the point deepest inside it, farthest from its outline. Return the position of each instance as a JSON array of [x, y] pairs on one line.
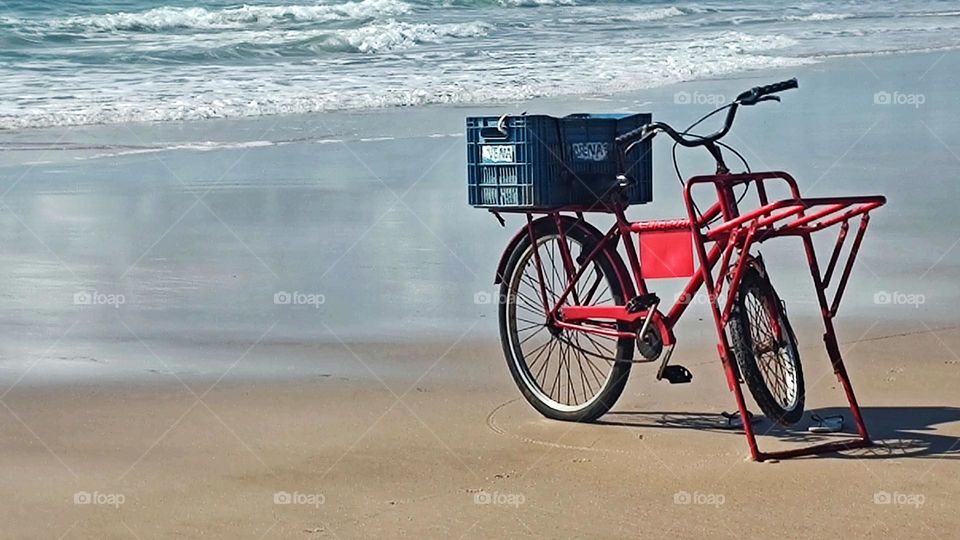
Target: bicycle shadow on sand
[[898, 432]]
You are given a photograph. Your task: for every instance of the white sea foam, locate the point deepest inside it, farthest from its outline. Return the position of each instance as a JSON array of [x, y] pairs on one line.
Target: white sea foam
[[535, 3], [168, 18], [393, 35], [815, 17], [496, 76], [655, 14]]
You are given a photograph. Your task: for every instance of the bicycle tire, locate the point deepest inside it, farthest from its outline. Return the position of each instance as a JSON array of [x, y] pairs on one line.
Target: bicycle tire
[[607, 265], [759, 328]]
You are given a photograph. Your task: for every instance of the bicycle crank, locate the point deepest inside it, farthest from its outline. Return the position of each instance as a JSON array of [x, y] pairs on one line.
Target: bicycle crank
[[650, 344]]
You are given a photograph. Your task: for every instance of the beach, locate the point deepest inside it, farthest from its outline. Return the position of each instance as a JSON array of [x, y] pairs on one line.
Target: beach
[[450, 450], [275, 327]]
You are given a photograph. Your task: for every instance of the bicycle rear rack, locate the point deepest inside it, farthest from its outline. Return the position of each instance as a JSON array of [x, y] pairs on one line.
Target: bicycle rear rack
[[794, 216]]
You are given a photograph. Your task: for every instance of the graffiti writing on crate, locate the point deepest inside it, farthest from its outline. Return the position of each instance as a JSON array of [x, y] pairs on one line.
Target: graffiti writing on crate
[[590, 151]]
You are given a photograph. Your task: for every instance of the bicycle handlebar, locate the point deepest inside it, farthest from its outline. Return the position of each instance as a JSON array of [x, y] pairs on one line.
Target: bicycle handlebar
[[631, 135], [754, 95], [751, 97]]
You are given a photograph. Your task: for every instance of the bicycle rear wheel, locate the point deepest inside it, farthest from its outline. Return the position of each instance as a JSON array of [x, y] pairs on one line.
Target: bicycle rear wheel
[[565, 374], [765, 349]]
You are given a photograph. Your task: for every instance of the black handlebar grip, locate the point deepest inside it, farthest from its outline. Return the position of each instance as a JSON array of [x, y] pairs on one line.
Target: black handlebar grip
[[630, 135], [754, 94], [777, 87]]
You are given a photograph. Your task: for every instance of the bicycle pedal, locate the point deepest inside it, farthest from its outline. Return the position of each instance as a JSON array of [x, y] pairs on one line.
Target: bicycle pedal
[[676, 374], [642, 302]]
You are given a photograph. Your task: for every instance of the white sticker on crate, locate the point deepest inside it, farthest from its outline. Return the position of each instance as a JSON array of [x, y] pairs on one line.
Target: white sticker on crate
[[500, 153], [590, 151]]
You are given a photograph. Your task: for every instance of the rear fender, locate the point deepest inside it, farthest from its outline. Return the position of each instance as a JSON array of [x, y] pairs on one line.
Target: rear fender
[[568, 223]]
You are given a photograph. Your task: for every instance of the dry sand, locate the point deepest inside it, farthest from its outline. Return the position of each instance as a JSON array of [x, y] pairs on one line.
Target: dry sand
[[449, 450]]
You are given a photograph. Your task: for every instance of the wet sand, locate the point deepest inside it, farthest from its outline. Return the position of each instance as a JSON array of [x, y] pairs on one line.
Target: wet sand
[[386, 409], [367, 211]]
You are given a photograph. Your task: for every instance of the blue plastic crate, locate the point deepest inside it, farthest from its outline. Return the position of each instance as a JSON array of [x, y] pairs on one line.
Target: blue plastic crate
[[540, 161]]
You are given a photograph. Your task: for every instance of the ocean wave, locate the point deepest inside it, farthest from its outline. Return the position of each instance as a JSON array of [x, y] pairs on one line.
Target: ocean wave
[[496, 76], [818, 17], [64, 63], [393, 35], [307, 43], [774, 19], [657, 14], [535, 3], [172, 18], [647, 15]]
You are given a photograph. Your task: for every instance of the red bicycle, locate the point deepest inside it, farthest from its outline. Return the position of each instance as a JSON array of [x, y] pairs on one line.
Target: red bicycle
[[573, 313]]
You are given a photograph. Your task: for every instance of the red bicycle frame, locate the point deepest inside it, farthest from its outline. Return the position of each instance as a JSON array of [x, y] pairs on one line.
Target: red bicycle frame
[[726, 244]]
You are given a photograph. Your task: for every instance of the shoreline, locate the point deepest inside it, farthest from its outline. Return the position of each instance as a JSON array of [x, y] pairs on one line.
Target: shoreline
[[810, 62], [757, 74]]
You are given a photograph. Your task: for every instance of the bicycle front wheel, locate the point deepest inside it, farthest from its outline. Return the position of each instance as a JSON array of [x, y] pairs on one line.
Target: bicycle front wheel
[[766, 349], [565, 374]]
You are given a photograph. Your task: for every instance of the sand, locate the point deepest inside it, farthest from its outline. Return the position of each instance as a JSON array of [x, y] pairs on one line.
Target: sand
[[200, 407], [450, 450]]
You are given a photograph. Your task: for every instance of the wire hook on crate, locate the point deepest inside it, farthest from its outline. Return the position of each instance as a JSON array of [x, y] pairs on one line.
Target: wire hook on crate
[[502, 124]]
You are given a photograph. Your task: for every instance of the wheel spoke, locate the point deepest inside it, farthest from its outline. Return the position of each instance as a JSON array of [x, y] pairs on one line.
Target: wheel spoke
[[593, 370], [526, 339], [546, 361], [531, 326]]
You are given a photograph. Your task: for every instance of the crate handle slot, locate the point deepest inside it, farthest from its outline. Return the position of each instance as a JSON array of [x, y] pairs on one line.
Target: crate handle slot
[[499, 132], [492, 133]]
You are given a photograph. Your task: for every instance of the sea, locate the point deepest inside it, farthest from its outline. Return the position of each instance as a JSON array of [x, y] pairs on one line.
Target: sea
[[67, 62]]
